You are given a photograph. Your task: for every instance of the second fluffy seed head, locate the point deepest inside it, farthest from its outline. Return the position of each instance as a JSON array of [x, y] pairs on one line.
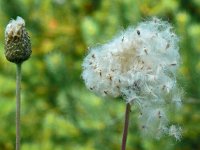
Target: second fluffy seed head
[[140, 65]]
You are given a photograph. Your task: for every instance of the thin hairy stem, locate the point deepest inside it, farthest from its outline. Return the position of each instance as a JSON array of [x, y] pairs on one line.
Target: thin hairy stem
[[126, 123], [18, 97]]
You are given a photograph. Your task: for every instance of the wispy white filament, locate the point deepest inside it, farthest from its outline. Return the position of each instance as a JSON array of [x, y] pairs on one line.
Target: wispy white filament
[[140, 65]]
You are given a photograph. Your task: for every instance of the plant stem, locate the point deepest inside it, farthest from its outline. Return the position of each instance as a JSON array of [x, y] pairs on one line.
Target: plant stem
[[18, 97], [126, 123]]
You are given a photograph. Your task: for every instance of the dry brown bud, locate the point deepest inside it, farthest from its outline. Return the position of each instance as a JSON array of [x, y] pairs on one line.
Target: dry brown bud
[[17, 41]]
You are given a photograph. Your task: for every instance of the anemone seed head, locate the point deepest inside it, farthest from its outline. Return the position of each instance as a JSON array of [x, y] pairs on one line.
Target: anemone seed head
[[140, 65]]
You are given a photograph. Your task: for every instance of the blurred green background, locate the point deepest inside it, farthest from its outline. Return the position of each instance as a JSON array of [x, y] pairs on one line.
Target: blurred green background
[[58, 112]]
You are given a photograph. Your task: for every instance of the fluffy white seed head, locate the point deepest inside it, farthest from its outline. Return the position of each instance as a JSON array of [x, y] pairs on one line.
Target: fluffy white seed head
[[140, 65]]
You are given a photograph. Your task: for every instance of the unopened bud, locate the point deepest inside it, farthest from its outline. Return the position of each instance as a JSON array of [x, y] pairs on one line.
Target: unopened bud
[[17, 41]]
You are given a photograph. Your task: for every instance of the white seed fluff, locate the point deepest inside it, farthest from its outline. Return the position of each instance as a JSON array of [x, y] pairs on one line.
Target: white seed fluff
[[140, 65], [14, 26]]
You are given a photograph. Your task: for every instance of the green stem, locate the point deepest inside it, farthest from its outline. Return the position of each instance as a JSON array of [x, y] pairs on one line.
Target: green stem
[[18, 101], [126, 123]]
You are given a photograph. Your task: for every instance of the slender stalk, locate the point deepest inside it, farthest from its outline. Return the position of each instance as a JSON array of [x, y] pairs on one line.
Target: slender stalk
[[126, 123], [18, 97]]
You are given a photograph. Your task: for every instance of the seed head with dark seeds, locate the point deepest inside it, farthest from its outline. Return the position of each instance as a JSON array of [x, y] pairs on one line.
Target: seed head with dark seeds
[[17, 41]]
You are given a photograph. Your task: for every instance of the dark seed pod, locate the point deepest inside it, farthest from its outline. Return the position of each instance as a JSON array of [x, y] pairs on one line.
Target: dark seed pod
[[17, 41]]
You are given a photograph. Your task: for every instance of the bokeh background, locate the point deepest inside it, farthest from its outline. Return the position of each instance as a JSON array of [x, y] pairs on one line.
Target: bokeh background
[[58, 112]]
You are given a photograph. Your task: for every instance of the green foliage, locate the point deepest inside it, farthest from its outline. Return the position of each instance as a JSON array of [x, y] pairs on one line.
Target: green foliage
[[58, 112]]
